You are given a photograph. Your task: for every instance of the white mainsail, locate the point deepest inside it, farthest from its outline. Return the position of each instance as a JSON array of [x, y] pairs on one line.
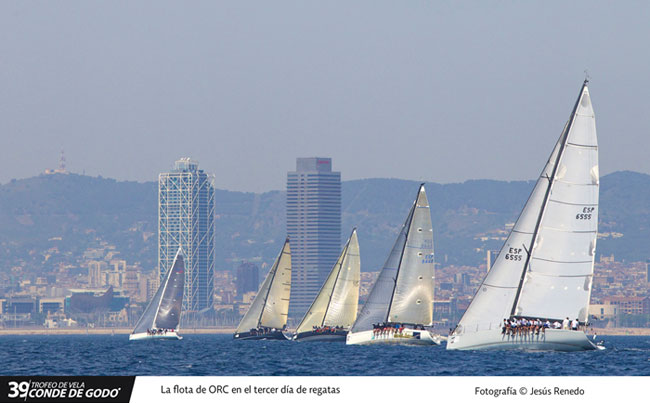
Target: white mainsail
[[403, 291], [545, 268], [336, 303], [271, 304]]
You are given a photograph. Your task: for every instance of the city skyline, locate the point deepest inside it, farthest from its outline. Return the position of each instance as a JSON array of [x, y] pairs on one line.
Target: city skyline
[[480, 90]]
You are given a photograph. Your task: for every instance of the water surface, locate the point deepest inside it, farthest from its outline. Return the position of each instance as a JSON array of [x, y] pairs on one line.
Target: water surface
[[221, 355]]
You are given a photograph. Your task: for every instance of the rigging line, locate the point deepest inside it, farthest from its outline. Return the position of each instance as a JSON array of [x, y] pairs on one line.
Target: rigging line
[[546, 196]]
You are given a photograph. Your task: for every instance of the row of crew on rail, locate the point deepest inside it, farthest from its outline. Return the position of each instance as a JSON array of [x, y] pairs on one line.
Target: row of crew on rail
[[522, 326], [327, 329], [388, 327], [262, 330], [153, 332]]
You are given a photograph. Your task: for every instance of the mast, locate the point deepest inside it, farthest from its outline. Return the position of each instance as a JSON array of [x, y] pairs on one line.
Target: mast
[[551, 180], [399, 266]]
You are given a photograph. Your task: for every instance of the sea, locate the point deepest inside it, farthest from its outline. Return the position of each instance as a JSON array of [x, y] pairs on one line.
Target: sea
[[220, 355]]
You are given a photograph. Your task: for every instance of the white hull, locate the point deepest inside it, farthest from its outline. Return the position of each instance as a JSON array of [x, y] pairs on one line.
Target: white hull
[[406, 336], [551, 340], [145, 336]]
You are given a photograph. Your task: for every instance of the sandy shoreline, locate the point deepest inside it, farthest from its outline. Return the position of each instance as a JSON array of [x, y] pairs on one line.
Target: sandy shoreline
[[114, 330]]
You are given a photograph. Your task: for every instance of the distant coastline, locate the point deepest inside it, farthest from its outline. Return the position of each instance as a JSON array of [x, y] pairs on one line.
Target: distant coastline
[[102, 330], [620, 331]]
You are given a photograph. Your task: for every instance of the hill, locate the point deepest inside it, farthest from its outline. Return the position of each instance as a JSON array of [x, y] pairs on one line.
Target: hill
[[51, 219]]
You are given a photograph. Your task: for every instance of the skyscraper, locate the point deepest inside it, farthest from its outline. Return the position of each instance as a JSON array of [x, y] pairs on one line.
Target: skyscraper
[[314, 228], [248, 278], [186, 219]]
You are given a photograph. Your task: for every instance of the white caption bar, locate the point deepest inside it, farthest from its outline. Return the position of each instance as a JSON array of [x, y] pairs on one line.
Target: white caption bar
[[380, 389]]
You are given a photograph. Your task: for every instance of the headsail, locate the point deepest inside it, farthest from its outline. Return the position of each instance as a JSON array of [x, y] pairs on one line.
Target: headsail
[[403, 291], [413, 296], [545, 267], [336, 303], [271, 304], [164, 309]]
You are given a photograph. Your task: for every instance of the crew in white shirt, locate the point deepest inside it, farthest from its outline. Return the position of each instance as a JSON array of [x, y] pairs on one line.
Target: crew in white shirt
[[565, 323]]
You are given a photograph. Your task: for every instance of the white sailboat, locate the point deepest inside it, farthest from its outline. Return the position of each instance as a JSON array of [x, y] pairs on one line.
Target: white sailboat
[[162, 316], [400, 303], [544, 270], [267, 316], [335, 308]]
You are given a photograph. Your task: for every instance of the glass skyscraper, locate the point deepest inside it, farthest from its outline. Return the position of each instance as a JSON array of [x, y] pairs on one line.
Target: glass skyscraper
[[314, 228], [186, 219]]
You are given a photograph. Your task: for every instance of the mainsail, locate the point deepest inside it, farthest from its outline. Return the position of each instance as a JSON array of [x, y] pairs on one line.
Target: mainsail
[[403, 291], [545, 268], [164, 310], [271, 304], [336, 303]]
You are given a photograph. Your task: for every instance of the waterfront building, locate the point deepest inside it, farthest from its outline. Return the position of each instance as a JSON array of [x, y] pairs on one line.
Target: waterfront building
[[186, 219], [248, 278], [313, 227]]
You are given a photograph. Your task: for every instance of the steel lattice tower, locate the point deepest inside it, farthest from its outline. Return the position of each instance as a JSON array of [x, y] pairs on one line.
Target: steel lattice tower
[[186, 219]]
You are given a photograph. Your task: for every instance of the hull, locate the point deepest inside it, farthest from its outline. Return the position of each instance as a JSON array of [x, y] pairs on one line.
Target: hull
[[551, 340], [145, 336], [277, 335], [321, 336], [407, 336]]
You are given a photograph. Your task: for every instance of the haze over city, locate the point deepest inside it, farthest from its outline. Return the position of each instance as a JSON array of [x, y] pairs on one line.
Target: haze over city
[[438, 92]]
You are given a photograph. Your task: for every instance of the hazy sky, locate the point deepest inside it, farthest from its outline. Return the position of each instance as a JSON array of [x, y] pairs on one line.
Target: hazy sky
[[435, 91]]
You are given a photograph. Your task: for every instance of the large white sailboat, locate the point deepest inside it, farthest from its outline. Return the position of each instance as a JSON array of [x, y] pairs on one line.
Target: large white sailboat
[[400, 304], [544, 270], [335, 308], [162, 316], [267, 316]]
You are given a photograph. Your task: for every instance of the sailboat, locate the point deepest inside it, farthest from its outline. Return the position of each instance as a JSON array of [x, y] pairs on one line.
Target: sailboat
[[335, 308], [400, 303], [544, 270], [162, 316], [267, 316]]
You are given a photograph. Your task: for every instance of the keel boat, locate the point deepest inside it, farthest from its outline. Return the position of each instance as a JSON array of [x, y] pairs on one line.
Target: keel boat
[[399, 307], [544, 271], [162, 316], [334, 310], [267, 316]]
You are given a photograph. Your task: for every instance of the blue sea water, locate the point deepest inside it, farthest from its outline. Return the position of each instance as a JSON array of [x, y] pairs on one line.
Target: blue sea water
[[220, 355]]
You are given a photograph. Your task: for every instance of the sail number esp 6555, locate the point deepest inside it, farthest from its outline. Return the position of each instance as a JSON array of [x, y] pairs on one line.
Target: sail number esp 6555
[[586, 213]]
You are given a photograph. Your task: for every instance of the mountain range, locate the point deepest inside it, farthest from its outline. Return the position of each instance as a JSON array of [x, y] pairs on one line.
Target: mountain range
[[50, 219]]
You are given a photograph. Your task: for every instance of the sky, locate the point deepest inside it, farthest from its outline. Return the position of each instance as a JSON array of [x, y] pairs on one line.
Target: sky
[[433, 91]]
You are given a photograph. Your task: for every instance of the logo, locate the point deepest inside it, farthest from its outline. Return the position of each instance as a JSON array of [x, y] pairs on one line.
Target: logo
[[63, 389]]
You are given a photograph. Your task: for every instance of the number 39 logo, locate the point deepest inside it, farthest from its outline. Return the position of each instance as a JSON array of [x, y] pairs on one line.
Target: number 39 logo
[[18, 389]]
